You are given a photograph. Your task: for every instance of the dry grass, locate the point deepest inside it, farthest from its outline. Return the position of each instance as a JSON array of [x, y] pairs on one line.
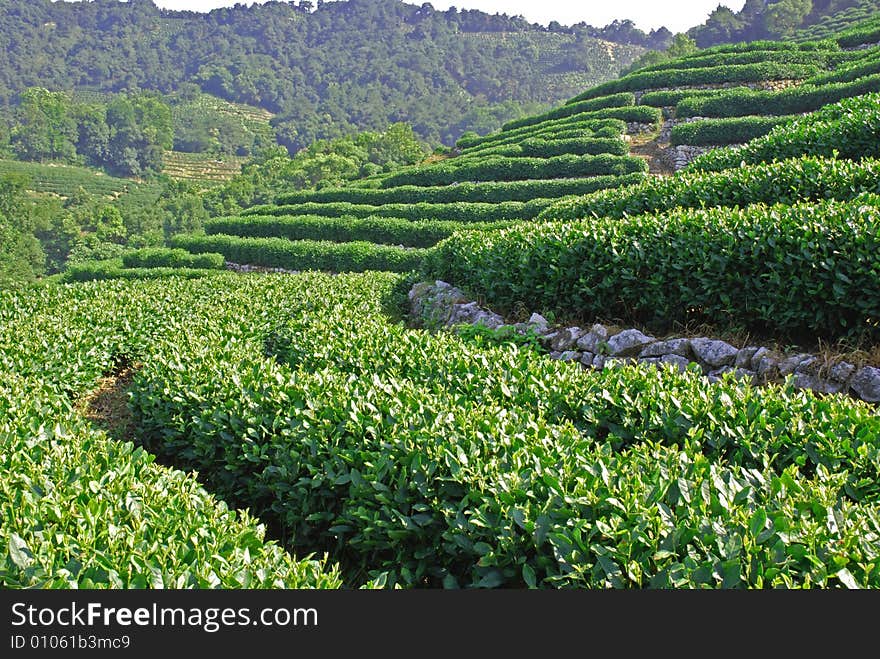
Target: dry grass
[[107, 405]]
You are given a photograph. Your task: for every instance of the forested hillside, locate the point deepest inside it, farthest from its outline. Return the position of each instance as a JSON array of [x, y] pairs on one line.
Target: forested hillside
[[324, 72], [777, 19]]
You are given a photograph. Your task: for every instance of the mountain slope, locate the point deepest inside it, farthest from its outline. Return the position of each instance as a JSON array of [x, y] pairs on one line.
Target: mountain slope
[[348, 66]]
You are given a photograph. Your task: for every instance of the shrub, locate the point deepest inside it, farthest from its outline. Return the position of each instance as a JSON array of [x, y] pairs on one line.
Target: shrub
[[807, 270], [306, 254], [735, 130]]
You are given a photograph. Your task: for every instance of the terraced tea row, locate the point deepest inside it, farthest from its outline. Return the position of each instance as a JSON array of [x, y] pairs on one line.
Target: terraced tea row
[[808, 270]]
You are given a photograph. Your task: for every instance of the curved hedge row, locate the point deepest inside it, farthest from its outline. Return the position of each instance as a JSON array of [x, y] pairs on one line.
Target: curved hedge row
[[614, 127], [115, 269], [701, 61], [462, 192], [707, 76], [793, 100], [306, 254], [787, 181], [869, 32], [672, 97], [383, 231], [807, 270], [163, 257], [534, 147], [610, 101], [848, 129], [461, 464], [499, 168], [79, 510], [630, 114], [746, 46], [455, 211], [733, 130], [550, 133], [851, 73]]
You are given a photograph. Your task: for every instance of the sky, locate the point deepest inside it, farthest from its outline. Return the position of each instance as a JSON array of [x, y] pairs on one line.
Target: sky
[[646, 14]]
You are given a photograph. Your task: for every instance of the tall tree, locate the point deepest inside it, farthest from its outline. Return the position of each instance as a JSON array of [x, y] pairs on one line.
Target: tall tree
[[44, 128]]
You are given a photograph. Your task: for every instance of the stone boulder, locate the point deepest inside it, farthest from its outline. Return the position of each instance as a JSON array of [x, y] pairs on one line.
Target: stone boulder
[[628, 343], [713, 353]]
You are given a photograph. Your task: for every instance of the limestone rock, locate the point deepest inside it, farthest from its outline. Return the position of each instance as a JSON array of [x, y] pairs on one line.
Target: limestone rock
[[842, 371], [744, 357], [866, 384], [570, 356], [538, 323], [813, 383], [587, 359], [714, 353], [676, 360], [790, 364], [566, 339], [590, 341], [680, 347], [628, 342]]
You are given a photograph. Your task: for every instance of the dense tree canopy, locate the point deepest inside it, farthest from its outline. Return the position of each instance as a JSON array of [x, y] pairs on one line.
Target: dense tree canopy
[[769, 19], [326, 71]]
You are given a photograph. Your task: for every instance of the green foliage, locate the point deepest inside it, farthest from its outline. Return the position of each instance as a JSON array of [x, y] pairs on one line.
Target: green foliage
[[546, 129], [490, 192], [848, 129], [629, 114], [610, 101], [305, 254], [501, 168], [866, 33], [114, 268], [324, 163], [479, 334], [786, 182], [140, 131], [734, 130], [206, 124], [672, 97], [381, 230], [785, 16], [793, 100], [44, 128], [550, 148], [455, 211], [325, 74], [506, 477], [163, 257], [864, 66], [79, 510], [700, 76], [791, 271]]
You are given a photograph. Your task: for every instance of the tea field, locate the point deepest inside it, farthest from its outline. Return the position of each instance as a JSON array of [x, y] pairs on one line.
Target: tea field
[[368, 452]]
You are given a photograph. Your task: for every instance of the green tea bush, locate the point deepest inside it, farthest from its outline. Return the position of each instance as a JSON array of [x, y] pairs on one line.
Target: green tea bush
[[384, 230], [610, 101], [793, 100], [804, 270], [454, 211], [488, 192], [848, 129], [461, 464], [499, 168], [786, 181], [702, 76], [163, 257], [734, 130], [596, 128], [305, 254]]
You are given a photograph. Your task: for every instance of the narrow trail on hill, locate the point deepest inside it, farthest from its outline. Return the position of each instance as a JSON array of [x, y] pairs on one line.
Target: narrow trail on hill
[[648, 148]]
